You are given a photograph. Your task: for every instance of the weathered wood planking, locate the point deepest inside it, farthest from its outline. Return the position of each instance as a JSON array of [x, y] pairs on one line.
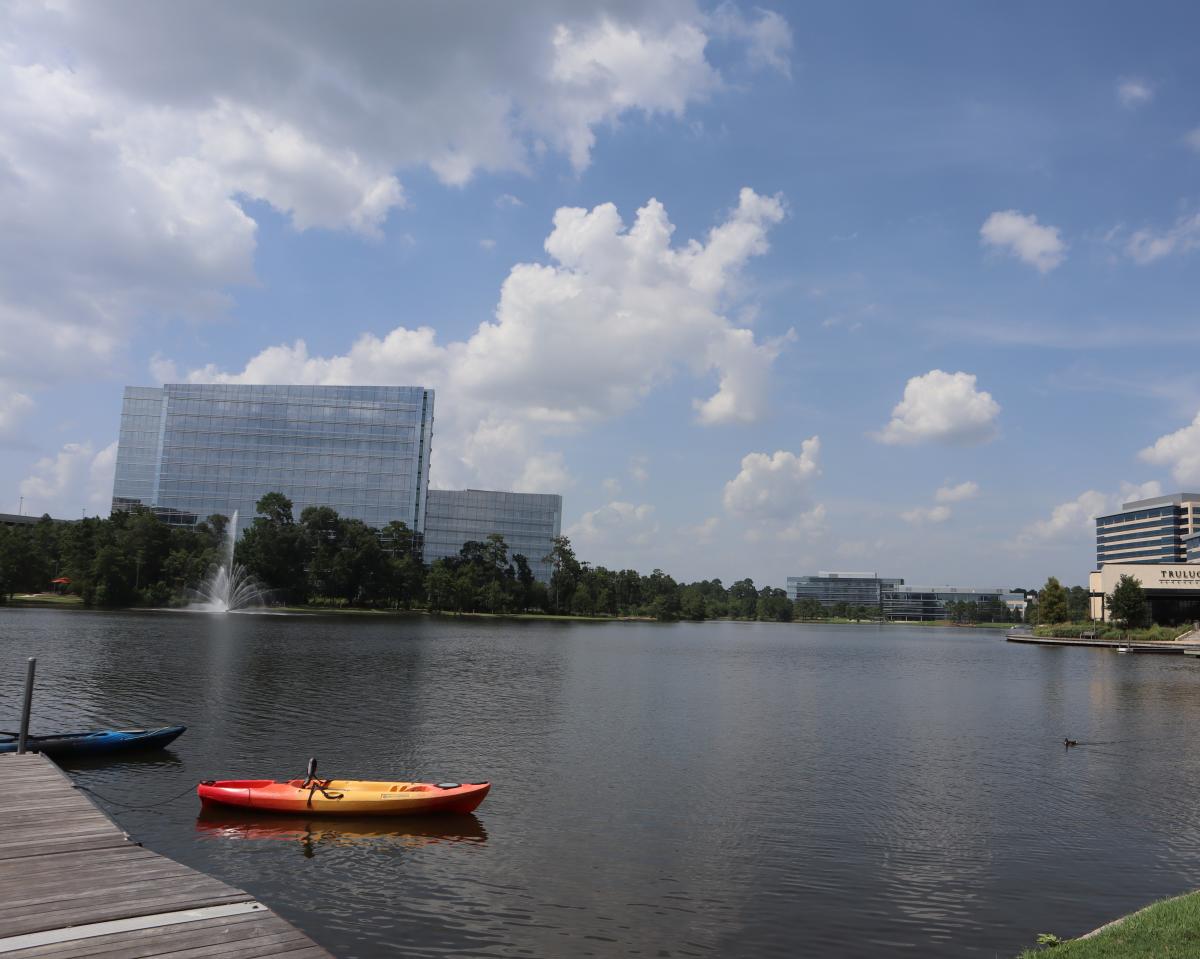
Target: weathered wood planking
[[75, 885]]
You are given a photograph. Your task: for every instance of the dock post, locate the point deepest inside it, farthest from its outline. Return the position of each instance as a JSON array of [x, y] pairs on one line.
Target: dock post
[[28, 705]]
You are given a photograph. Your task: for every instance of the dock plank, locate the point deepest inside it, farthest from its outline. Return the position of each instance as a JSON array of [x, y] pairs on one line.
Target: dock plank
[[74, 885]]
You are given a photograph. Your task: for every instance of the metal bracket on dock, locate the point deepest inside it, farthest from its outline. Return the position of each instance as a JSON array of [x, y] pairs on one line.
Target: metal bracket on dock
[[33, 940]]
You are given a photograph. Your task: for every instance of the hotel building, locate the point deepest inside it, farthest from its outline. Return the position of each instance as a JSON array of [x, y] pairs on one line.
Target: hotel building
[[187, 451], [1157, 542], [1148, 530], [529, 522]]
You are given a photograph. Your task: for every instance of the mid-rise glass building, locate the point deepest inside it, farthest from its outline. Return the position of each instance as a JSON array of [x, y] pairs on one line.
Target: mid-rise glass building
[[529, 522], [1149, 530], [829, 589], [187, 451], [929, 603], [891, 597]]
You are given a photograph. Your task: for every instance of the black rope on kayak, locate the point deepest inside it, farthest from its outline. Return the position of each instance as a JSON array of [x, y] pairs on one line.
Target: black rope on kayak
[[118, 802], [316, 784]]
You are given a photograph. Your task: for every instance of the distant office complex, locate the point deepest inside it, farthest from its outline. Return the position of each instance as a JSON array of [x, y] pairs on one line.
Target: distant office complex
[[829, 589], [1149, 530], [529, 522], [929, 603], [187, 451], [891, 598]]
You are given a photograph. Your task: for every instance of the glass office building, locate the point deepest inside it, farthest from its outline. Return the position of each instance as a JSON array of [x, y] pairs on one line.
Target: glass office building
[[529, 522], [187, 451], [1149, 530], [891, 597], [928, 603], [829, 589]]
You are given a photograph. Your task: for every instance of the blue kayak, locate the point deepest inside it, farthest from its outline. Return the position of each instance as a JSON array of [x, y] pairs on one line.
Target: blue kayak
[[96, 743]]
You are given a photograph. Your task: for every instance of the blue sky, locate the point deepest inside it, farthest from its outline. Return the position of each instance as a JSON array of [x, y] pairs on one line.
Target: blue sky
[[940, 309]]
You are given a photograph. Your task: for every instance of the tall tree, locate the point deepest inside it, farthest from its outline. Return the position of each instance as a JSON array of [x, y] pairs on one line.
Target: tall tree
[[1052, 603], [274, 548], [567, 572], [1127, 604]]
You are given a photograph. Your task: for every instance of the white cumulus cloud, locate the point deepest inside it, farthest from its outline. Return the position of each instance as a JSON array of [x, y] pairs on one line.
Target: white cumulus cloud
[[1076, 517], [958, 493], [1134, 91], [75, 479], [585, 338], [1023, 237], [926, 514], [1146, 246], [1180, 451], [771, 494], [14, 406], [628, 522], [942, 497], [130, 144], [942, 407]]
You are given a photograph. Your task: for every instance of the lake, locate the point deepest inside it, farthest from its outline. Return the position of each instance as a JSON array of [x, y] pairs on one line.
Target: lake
[[706, 789]]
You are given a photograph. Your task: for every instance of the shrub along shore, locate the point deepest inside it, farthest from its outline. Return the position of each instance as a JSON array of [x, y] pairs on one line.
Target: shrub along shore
[[1112, 632]]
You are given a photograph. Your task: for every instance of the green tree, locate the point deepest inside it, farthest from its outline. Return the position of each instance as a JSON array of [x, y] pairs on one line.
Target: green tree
[[1052, 603], [275, 549], [809, 608], [1078, 604], [567, 573], [440, 585], [743, 599], [1127, 604]]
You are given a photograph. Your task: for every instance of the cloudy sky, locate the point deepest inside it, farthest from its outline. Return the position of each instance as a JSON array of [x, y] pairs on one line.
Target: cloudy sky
[[761, 290]]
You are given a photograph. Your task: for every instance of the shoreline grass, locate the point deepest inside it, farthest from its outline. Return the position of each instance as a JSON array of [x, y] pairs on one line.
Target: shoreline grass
[[1167, 929]]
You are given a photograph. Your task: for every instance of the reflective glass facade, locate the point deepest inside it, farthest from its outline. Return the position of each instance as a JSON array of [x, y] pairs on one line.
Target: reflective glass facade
[[529, 522], [924, 603], [1148, 531], [191, 450], [828, 589]]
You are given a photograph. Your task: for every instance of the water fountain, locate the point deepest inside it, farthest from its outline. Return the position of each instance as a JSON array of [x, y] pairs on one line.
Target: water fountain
[[230, 588]]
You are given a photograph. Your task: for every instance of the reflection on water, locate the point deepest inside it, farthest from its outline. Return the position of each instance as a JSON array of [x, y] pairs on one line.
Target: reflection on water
[[309, 833], [702, 790]]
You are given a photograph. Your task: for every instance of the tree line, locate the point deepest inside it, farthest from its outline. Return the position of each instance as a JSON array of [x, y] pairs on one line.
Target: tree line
[[323, 559], [1055, 604]]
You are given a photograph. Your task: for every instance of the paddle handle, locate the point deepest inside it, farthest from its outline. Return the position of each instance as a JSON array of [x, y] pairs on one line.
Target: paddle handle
[[27, 706]]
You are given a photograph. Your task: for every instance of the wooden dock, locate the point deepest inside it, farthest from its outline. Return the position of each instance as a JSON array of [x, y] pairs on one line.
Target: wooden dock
[[1176, 648], [74, 885]]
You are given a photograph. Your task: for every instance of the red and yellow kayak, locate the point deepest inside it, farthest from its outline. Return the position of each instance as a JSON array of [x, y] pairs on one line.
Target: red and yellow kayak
[[344, 797]]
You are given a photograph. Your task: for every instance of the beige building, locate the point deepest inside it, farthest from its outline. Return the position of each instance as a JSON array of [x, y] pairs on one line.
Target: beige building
[[1172, 589]]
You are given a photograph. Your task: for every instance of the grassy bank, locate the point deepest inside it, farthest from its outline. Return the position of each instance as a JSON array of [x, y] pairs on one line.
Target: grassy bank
[[1153, 634], [1169, 929], [45, 599]]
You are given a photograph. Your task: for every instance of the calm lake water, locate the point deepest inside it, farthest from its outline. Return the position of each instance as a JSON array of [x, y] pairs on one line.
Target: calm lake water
[[685, 790]]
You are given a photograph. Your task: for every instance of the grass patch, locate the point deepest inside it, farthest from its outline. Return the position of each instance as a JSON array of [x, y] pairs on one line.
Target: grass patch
[[1152, 634], [1169, 929], [46, 599]]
